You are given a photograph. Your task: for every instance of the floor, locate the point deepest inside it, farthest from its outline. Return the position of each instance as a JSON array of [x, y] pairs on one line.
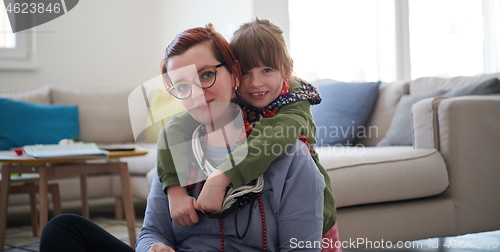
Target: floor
[[480, 242], [20, 239]]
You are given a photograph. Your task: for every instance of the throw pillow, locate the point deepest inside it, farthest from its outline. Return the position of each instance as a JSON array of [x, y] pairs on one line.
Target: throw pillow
[[343, 111], [40, 95], [399, 132], [103, 112], [491, 86], [24, 123]]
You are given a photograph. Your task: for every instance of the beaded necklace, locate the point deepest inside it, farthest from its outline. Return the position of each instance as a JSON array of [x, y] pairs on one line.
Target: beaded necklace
[[238, 205]]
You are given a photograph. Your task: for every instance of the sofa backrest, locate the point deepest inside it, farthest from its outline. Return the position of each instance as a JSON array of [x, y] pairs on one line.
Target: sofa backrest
[[427, 85], [103, 112]]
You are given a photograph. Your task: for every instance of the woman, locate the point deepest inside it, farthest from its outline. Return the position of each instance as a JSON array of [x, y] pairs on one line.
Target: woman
[[278, 217]]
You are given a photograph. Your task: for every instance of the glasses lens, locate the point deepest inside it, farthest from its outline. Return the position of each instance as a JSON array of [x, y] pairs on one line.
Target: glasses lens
[[181, 90], [207, 77]]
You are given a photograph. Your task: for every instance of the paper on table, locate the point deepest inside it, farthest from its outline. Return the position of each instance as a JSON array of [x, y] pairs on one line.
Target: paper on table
[[66, 150]]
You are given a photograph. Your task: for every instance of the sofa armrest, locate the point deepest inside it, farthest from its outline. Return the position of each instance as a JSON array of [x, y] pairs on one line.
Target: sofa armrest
[[469, 125], [469, 141], [424, 123]]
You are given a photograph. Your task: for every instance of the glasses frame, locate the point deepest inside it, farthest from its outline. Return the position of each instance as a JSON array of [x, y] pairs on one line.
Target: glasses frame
[[214, 68]]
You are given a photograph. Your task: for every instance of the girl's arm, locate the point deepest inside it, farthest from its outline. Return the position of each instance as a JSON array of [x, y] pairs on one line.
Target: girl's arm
[[173, 142], [269, 139]]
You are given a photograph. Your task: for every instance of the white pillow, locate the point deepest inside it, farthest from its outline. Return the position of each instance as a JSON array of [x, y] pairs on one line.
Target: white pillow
[[40, 95], [103, 112]]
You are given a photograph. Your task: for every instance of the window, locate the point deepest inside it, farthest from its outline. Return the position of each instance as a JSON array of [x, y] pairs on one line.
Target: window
[[16, 49], [7, 38], [388, 40], [447, 39], [344, 40]]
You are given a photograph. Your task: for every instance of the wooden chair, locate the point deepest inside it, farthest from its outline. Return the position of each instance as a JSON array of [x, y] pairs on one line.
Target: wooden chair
[[31, 188]]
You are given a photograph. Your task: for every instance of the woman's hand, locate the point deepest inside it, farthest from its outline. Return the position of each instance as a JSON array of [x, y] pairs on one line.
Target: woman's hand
[[160, 247], [214, 190], [182, 206]]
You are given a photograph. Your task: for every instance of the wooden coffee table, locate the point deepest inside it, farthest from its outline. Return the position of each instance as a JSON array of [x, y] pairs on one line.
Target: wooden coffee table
[[63, 167]]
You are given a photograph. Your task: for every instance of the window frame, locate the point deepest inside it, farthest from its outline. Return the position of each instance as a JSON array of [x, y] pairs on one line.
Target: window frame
[[22, 56]]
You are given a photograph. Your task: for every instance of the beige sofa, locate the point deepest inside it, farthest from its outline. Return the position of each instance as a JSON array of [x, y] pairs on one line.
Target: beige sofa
[[104, 119], [446, 184]]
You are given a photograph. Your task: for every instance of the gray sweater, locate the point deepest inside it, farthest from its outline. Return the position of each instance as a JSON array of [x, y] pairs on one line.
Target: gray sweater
[[293, 205]]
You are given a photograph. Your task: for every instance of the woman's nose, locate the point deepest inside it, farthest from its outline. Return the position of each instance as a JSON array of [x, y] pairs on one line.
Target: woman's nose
[[197, 92]]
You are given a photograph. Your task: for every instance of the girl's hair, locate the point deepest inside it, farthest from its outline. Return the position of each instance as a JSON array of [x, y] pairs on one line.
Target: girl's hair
[[261, 42], [220, 47]]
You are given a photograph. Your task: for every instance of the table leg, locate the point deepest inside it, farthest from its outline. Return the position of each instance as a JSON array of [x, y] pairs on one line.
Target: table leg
[[4, 200], [43, 192], [118, 208], [33, 209], [56, 198], [84, 196], [127, 202]]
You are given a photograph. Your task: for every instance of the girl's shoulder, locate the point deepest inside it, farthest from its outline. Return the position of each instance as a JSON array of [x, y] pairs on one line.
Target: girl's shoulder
[[298, 84]]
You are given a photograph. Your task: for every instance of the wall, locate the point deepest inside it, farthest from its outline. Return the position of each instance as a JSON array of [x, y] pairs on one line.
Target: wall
[[276, 11], [121, 42]]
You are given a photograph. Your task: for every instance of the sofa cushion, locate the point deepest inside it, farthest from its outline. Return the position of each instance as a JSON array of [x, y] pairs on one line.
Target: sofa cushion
[[40, 95], [380, 119], [26, 123], [343, 111], [426, 85], [399, 132], [103, 112], [367, 175]]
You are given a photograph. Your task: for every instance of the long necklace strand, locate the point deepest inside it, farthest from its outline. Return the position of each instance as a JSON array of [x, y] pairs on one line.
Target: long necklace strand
[[221, 226]]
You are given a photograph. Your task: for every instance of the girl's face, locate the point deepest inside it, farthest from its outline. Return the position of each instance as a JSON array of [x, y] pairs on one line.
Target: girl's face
[[205, 105], [261, 85]]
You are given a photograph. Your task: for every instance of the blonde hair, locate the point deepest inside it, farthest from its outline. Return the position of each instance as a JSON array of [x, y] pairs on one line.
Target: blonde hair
[[261, 42]]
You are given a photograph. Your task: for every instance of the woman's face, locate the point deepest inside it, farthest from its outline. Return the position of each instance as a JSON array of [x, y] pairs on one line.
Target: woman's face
[[209, 105]]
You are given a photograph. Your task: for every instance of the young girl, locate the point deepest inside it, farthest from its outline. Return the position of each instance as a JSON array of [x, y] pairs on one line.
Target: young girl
[[265, 91]]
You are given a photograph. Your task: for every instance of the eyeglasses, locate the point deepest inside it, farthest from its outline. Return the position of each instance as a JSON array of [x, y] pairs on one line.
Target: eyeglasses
[[183, 90]]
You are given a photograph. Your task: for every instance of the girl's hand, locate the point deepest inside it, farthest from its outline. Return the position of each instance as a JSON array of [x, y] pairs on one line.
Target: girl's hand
[[182, 206], [214, 190], [160, 247]]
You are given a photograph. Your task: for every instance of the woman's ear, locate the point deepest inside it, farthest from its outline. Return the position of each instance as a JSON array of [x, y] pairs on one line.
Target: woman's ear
[[236, 73]]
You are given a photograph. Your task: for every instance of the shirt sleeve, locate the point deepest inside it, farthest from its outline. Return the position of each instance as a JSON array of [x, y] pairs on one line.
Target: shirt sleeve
[[297, 199], [157, 226], [173, 143], [300, 216], [269, 139]]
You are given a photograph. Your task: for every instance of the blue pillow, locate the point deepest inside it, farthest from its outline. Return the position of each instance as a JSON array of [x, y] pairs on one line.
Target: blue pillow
[[343, 111], [23, 123]]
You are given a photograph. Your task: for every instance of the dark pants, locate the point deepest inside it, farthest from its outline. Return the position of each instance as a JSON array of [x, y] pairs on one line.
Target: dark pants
[[71, 232]]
